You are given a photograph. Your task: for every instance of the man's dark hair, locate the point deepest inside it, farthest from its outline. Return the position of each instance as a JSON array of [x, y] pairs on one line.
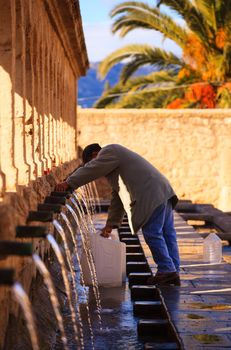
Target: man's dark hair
[[87, 152]]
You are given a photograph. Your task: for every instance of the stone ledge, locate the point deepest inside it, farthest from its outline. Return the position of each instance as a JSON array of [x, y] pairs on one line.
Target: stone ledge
[[155, 113]]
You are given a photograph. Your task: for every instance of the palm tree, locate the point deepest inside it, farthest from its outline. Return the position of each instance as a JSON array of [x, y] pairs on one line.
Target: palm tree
[[199, 78]]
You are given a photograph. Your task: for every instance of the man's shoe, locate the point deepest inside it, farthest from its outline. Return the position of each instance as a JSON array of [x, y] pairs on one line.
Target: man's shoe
[[165, 279]]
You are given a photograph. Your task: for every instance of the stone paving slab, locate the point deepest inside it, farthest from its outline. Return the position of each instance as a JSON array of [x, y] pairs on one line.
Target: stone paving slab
[[196, 342], [201, 308]]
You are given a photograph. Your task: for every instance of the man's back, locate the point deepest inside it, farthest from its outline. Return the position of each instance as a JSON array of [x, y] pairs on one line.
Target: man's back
[[144, 193], [146, 186]]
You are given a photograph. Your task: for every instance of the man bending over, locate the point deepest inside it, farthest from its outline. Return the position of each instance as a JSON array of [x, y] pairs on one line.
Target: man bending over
[[145, 194]]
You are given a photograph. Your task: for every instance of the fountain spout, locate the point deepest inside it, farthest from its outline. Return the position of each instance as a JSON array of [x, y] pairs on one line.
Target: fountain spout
[[15, 248], [61, 194], [56, 208], [31, 232], [55, 200], [7, 277], [42, 215]]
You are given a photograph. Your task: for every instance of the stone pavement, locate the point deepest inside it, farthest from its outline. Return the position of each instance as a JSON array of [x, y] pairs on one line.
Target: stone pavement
[[201, 308]]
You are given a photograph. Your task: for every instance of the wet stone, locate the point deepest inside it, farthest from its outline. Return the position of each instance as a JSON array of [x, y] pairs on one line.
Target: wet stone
[[154, 327], [161, 346], [183, 229], [124, 229], [125, 235], [138, 278], [119, 324], [131, 241], [192, 326], [133, 248], [149, 309], [205, 341], [135, 257], [137, 266], [125, 225], [139, 292]]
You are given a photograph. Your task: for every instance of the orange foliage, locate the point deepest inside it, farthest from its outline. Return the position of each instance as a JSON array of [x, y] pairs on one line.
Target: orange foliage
[[176, 104], [183, 73], [194, 52], [221, 37], [197, 57], [202, 93]]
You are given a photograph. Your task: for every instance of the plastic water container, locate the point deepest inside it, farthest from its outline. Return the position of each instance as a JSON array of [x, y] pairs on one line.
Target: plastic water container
[[212, 249], [109, 255]]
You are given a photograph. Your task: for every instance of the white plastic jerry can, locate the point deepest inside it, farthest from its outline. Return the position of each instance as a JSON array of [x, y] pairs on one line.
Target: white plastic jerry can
[[109, 256], [212, 249]]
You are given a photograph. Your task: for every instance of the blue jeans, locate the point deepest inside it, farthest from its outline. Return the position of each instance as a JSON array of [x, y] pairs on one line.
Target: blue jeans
[[160, 235]]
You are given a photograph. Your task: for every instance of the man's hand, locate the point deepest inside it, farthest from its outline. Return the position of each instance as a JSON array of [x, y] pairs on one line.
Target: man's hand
[[106, 231], [62, 187]]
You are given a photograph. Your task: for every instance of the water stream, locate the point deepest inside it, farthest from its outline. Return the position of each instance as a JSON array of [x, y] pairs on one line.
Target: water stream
[[73, 236], [61, 261], [22, 298], [89, 199], [87, 251], [93, 196], [53, 297], [86, 328], [87, 219], [62, 234], [96, 195]]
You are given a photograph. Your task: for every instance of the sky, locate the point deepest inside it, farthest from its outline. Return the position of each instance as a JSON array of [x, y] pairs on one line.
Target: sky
[[101, 42]]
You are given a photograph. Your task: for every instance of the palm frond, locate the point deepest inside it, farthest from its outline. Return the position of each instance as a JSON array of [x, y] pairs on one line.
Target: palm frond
[[154, 85], [159, 77], [223, 13], [109, 96], [143, 99], [193, 17], [208, 9], [148, 98], [140, 55], [224, 98], [139, 15], [227, 59], [129, 4]]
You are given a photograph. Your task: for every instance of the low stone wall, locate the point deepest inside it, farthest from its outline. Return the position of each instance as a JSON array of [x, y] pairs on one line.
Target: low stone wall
[[191, 147]]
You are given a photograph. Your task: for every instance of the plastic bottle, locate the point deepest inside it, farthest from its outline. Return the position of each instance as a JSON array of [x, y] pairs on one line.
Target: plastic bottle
[[212, 249]]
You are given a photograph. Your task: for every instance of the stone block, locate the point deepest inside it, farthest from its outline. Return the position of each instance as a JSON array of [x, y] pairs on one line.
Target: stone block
[[138, 278], [135, 257], [137, 266], [149, 309], [144, 292]]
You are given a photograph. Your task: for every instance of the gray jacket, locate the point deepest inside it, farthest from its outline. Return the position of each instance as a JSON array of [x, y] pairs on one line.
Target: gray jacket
[[146, 186]]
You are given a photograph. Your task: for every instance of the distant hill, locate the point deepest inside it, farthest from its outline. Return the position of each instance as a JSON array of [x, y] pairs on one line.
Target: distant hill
[[91, 87]]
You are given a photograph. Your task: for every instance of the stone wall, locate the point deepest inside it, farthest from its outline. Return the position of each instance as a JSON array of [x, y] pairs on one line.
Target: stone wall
[[42, 54], [191, 147], [38, 90]]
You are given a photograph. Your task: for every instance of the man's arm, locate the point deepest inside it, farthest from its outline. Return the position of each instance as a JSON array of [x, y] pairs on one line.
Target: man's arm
[[115, 214], [105, 163]]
